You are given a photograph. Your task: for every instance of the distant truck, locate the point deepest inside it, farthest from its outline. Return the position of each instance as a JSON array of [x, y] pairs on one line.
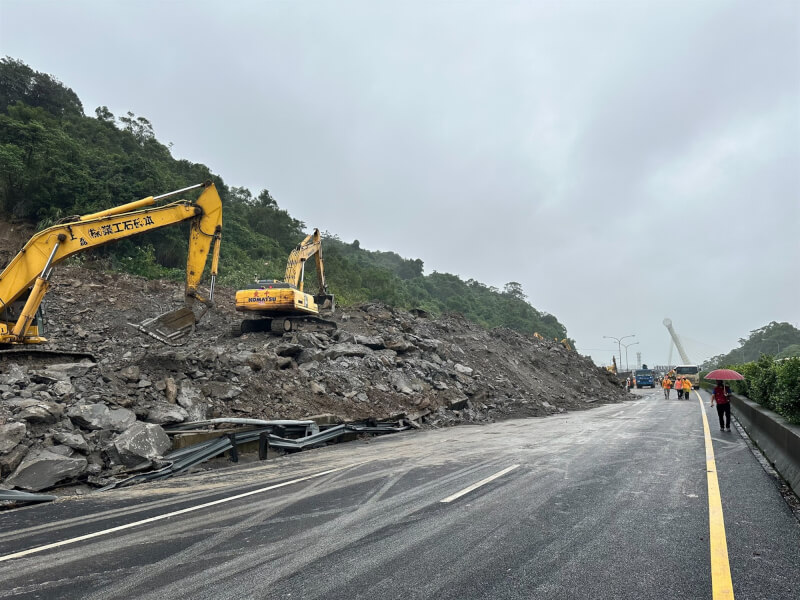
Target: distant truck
[[645, 377], [690, 372]]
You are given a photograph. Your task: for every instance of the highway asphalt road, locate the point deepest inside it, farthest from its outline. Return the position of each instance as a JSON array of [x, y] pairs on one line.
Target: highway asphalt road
[[611, 502]]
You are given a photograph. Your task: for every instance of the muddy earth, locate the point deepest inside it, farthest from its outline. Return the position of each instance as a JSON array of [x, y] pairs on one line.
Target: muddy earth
[[64, 421]]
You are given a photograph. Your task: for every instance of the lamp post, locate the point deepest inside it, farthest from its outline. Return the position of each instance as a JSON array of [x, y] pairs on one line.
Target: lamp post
[[626, 353], [619, 343]]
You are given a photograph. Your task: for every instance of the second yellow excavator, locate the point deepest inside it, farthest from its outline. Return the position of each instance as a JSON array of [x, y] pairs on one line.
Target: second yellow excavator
[[283, 306]]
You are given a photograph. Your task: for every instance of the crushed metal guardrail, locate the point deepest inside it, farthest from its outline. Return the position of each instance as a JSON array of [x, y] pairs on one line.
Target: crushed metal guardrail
[[20, 496], [184, 458]]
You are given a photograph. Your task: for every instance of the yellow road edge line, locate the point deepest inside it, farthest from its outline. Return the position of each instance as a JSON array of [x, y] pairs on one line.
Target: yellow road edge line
[[721, 582], [182, 511], [475, 486]]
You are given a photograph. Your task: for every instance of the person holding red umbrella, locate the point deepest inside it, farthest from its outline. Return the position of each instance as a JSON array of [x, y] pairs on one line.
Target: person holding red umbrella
[[722, 397], [722, 394]]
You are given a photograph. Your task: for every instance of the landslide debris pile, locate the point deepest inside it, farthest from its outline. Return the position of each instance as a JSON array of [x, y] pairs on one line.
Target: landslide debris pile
[[89, 420]]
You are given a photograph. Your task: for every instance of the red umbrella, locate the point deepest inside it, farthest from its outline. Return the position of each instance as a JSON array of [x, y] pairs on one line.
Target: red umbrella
[[725, 375]]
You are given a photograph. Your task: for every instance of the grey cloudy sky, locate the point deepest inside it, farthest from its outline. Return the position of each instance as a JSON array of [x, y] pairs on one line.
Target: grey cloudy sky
[[624, 160]]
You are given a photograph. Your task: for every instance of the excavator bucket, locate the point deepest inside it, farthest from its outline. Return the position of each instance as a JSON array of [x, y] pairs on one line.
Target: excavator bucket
[[172, 328], [326, 302]]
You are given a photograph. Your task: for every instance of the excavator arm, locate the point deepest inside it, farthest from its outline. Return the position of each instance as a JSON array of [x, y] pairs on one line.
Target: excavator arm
[[295, 267], [29, 271]]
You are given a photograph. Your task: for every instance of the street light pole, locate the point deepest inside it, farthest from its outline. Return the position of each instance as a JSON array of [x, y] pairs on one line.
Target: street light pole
[[619, 343], [626, 353]]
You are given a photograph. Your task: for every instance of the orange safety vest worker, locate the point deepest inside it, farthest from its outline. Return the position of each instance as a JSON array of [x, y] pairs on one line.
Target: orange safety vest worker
[[687, 385], [666, 383]]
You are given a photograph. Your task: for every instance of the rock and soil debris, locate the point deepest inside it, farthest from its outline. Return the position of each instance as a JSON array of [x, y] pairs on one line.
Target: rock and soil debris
[[87, 421]]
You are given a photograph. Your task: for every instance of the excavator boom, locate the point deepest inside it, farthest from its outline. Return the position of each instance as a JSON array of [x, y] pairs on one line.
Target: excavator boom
[[29, 272]]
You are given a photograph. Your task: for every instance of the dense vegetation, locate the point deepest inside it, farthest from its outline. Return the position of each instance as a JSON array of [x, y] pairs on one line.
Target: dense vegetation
[[56, 162], [772, 383], [781, 340]]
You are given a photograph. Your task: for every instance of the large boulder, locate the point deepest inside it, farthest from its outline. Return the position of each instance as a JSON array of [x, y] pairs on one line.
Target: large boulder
[[15, 375], [399, 345], [261, 361], [221, 390], [63, 388], [72, 440], [308, 355], [39, 411], [288, 349], [10, 435], [65, 371], [165, 413], [170, 390], [11, 460], [43, 469], [344, 349], [400, 383], [131, 373], [374, 342], [141, 442], [190, 398], [463, 370], [99, 416]]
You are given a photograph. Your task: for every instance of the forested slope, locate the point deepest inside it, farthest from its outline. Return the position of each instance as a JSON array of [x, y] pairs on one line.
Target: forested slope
[[778, 340], [55, 162]]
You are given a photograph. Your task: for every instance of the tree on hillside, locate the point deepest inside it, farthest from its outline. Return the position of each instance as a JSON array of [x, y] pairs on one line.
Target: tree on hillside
[[514, 289], [20, 83], [774, 339]]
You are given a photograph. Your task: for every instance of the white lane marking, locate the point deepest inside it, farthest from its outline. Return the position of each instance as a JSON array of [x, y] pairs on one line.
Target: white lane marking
[[475, 486], [168, 515]]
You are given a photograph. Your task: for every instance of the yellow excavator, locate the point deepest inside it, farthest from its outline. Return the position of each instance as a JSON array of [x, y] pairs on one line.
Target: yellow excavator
[[26, 279], [283, 306]]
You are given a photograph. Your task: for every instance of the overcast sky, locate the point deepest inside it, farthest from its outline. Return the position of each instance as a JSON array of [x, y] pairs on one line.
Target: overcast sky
[[625, 161]]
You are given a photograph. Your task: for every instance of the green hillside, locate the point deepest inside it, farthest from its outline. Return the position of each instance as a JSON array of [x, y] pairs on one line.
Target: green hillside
[[56, 162], [779, 340]]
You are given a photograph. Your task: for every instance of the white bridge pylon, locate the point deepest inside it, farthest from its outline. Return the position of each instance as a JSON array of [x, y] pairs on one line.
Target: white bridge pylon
[[677, 340]]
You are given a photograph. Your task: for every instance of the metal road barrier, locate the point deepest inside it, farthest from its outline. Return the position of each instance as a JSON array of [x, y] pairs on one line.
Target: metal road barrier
[[20, 496], [184, 458]]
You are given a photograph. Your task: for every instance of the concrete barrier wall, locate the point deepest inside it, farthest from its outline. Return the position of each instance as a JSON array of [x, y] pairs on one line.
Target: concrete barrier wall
[[778, 439]]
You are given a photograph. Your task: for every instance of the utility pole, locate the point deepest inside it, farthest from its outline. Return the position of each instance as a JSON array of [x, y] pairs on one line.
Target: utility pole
[[619, 343]]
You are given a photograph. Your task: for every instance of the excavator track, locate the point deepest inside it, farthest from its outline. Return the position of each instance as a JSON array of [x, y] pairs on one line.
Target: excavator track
[[289, 324], [281, 325], [41, 355]]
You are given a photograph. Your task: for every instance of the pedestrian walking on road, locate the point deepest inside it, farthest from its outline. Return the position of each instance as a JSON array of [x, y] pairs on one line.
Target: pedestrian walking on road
[[687, 387], [679, 387], [722, 397], [667, 385]]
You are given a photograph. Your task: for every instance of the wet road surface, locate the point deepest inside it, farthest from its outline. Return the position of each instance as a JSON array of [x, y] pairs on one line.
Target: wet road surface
[[608, 503]]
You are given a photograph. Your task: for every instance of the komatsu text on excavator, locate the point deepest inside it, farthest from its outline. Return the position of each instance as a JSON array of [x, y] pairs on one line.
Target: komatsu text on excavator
[[26, 279], [283, 306]]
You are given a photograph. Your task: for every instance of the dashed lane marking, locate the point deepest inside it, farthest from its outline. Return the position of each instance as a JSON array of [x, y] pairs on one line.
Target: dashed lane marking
[[175, 513], [721, 583], [475, 486]]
